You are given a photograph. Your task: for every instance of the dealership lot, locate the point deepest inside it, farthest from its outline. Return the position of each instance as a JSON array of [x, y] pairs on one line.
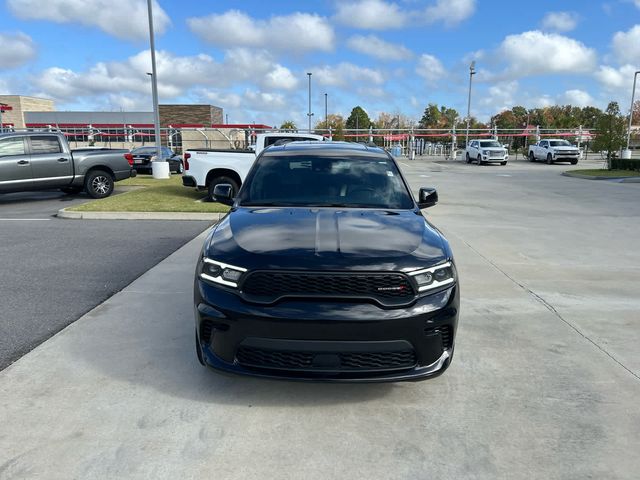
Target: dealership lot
[[544, 382], [54, 271]]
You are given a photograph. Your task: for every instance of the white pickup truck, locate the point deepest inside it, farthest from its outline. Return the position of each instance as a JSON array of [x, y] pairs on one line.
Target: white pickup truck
[[206, 168], [554, 151]]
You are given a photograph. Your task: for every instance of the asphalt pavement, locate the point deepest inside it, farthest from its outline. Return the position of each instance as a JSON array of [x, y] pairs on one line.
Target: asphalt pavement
[[544, 383], [54, 270]]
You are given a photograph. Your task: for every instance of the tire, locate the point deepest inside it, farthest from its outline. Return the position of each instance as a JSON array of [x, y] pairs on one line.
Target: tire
[[549, 159], [479, 160], [532, 157], [219, 180], [574, 162], [98, 184], [71, 190], [180, 168], [199, 351], [468, 158], [503, 163]]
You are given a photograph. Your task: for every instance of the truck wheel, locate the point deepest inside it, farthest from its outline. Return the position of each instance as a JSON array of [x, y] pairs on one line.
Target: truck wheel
[[532, 157], [468, 158], [479, 160], [574, 162], [180, 168], [503, 163], [219, 180], [98, 184], [549, 159], [71, 190]]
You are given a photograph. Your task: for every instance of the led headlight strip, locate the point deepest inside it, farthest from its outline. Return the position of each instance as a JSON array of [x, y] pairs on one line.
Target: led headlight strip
[[434, 277], [222, 273]]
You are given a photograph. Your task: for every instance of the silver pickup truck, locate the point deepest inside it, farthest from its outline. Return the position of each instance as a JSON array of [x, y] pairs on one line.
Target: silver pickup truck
[[43, 160]]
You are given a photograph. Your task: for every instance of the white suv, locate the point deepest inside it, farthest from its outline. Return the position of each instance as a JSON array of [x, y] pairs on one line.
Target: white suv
[[486, 151]]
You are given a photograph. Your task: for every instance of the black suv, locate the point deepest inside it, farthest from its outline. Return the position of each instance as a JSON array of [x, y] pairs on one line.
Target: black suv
[[325, 269]]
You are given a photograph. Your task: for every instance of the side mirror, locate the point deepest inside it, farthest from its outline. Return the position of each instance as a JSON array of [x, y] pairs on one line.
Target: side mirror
[[428, 197], [223, 193]]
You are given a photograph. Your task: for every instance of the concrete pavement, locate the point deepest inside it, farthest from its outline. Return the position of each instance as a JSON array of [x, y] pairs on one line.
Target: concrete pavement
[[544, 382]]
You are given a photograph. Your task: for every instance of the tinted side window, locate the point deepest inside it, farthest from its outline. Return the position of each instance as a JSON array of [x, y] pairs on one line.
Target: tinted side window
[[41, 145], [12, 146], [543, 144]]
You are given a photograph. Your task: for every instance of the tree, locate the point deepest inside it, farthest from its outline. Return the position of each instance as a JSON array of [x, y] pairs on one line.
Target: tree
[[358, 119], [431, 117], [336, 123], [289, 125], [611, 132]]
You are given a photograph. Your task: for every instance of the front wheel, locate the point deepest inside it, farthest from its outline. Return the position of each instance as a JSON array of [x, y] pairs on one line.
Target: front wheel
[[549, 159], [532, 157], [479, 160], [468, 158], [98, 184], [503, 163], [218, 181], [574, 162]]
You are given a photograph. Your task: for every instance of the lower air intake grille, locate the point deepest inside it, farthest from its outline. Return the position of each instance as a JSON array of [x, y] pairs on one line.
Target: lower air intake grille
[[445, 333], [345, 361]]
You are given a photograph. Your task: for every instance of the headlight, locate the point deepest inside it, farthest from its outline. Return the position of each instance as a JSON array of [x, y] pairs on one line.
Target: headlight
[[222, 273], [434, 277]]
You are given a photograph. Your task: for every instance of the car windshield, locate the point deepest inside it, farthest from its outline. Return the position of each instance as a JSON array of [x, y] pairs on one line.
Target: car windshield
[[559, 143], [318, 181], [490, 143]]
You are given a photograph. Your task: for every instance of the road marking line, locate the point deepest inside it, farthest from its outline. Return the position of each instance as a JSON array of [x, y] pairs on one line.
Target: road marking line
[[504, 175], [24, 219], [406, 165], [425, 176]]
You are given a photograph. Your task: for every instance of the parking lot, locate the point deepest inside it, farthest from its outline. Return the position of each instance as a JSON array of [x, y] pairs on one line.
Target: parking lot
[[544, 383]]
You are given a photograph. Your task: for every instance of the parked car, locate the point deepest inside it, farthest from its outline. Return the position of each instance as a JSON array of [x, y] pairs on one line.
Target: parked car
[[553, 151], [486, 151], [206, 168], [43, 160], [325, 269], [142, 159]]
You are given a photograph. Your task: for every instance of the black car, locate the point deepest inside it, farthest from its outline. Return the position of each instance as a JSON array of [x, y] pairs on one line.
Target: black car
[[142, 159], [325, 269]]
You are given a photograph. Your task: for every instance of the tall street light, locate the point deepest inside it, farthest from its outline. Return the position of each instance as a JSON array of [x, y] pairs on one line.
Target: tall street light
[[309, 114], [326, 110], [154, 82], [472, 72], [635, 77]]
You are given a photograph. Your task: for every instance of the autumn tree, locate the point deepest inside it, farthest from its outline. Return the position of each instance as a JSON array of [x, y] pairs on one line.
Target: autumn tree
[[336, 123]]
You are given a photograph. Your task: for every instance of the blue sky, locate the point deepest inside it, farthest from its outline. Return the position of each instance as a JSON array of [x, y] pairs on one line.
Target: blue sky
[[251, 57]]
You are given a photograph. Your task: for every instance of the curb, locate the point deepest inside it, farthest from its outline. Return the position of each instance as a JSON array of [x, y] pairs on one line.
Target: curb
[[212, 217], [616, 179]]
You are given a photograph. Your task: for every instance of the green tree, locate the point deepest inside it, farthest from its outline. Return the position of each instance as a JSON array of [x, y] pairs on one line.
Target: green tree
[[431, 117], [336, 123], [288, 125], [358, 119], [611, 132]]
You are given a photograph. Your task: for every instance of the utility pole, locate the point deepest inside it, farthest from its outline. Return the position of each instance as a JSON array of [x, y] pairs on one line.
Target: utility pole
[[326, 110], [154, 83], [472, 72], [309, 114]]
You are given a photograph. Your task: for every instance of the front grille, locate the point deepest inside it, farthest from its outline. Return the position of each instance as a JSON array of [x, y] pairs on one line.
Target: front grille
[[280, 284], [344, 361], [206, 329], [445, 333]]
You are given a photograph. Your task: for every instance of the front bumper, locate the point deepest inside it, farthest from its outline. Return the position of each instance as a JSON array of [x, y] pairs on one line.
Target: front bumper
[[325, 340]]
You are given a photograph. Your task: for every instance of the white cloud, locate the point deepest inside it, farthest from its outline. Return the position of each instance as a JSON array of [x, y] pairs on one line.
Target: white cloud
[[616, 79], [560, 21], [176, 75], [16, 50], [298, 32], [371, 14], [578, 98], [346, 75], [430, 68], [126, 19], [499, 97], [378, 48], [538, 53], [626, 45], [450, 12]]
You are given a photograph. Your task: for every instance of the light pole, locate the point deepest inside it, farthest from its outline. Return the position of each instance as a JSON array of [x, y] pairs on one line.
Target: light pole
[[635, 77], [472, 72], [154, 82], [309, 114], [326, 110]]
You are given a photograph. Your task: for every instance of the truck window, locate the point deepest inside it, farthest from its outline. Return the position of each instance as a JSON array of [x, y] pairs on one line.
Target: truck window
[[12, 146], [42, 145]]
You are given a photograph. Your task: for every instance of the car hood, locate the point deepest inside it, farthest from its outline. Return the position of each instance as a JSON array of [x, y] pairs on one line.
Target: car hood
[[565, 148], [324, 238]]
